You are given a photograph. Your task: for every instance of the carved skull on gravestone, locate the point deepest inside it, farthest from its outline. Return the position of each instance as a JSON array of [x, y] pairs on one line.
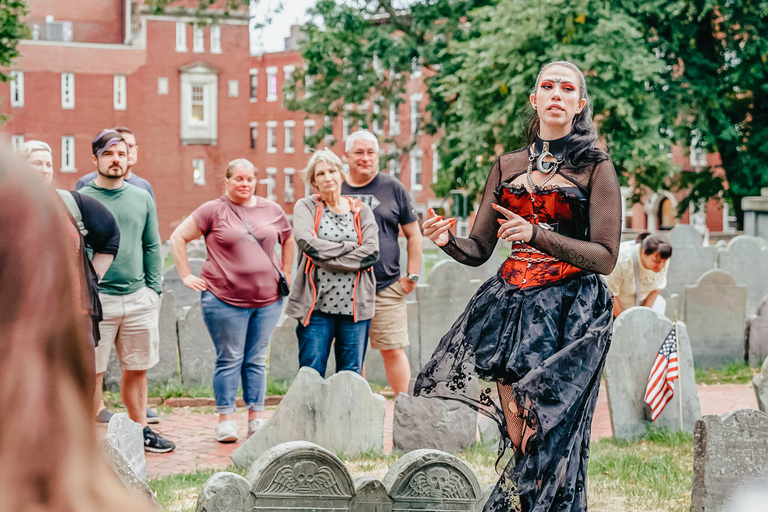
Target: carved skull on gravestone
[[437, 479], [304, 473]]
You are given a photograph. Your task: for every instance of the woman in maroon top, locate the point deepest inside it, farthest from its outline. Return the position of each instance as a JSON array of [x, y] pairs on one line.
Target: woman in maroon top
[[240, 301], [540, 329]]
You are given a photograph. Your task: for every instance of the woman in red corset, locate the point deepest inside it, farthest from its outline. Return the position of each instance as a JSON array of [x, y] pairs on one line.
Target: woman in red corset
[[536, 335]]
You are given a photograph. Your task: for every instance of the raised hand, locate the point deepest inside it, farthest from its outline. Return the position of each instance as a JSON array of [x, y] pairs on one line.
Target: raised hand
[[436, 228], [514, 228]]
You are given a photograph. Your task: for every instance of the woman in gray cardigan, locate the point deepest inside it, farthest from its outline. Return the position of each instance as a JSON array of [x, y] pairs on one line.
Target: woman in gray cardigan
[[333, 293]]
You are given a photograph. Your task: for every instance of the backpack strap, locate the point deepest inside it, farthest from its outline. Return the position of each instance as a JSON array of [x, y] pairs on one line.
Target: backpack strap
[[74, 210]]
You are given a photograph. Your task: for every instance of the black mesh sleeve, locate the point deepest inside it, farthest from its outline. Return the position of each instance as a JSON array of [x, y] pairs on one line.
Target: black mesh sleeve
[[478, 247], [103, 234], [599, 254]]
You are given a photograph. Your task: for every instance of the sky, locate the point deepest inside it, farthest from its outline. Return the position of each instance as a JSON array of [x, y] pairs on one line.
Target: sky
[[272, 37]]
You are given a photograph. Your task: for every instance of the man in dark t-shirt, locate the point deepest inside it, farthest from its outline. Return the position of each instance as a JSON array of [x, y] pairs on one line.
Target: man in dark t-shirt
[[393, 210]]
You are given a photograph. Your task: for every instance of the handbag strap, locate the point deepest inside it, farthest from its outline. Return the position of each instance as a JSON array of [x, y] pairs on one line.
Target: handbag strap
[[637, 274], [279, 272]]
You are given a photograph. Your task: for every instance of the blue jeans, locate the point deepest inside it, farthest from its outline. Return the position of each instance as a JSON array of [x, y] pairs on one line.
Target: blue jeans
[[241, 337], [316, 337]]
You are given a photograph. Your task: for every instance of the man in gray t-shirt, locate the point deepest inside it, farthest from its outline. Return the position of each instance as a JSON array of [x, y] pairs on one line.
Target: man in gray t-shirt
[[393, 210]]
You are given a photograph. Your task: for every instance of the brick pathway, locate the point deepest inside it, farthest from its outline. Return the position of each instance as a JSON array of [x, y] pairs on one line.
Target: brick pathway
[[196, 448]]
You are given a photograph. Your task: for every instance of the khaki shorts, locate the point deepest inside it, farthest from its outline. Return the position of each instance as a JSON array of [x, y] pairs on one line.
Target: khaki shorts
[[389, 326], [130, 324]]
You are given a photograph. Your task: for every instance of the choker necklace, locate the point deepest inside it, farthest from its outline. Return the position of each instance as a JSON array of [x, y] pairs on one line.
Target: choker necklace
[[542, 149]]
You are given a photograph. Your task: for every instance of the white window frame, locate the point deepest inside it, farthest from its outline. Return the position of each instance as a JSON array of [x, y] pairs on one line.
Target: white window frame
[[205, 103], [68, 154], [120, 91], [393, 167], [271, 136], [233, 88], [416, 155], [270, 182], [346, 125], [163, 86], [288, 70], [16, 142], [253, 135], [181, 36], [394, 119], [435, 163], [415, 67], [415, 101], [198, 39], [253, 85], [309, 130], [17, 89], [377, 124], [289, 194], [309, 81], [198, 164], [68, 91], [216, 38], [289, 127], [272, 83]]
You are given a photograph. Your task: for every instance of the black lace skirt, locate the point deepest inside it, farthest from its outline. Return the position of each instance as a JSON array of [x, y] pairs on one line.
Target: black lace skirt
[[545, 349]]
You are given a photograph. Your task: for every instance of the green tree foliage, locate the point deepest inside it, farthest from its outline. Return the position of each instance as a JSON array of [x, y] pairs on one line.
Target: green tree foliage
[[716, 71], [12, 29]]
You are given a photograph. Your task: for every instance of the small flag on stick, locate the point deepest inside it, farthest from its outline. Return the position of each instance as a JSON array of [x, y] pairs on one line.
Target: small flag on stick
[[659, 391]]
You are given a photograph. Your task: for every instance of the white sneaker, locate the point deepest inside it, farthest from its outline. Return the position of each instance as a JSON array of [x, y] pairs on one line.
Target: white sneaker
[[255, 425], [226, 431]]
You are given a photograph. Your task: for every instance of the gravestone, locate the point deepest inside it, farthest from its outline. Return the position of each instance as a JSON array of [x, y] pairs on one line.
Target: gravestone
[[167, 368], [185, 297], [284, 351], [196, 350], [729, 451], [441, 300], [299, 476], [444, 425], [119, 465], [113, 375], [760, 385], [225, 492], [339, 413], [489, 268], [489, 432], [714, 313], [757, 335], [690, 258], [638, 333], [370, 496], [746, 259], [127, 436], [165, 251], [432, 480], [403, 243], [374, 364]]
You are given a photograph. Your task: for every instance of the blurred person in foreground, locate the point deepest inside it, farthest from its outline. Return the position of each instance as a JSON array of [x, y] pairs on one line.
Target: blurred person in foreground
[[241, 299], [49, 457], [334, 291]]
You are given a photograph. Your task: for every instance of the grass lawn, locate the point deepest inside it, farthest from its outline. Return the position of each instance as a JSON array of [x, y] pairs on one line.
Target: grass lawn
[[732, 373], [652, 474]]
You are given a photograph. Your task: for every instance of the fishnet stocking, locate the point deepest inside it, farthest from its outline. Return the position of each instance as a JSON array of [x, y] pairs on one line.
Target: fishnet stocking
[[520, 422]]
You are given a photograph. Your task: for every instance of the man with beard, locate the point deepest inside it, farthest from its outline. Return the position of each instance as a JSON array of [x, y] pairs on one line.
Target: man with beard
[[130, 290]]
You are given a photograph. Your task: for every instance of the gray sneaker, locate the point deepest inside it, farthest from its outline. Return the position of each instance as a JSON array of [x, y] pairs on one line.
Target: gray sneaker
[[104, 416], [226, 431], [152, 416], [255, 425]]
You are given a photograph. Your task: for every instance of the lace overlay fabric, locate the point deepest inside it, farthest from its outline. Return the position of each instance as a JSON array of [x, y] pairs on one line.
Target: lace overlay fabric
[[535, 336]]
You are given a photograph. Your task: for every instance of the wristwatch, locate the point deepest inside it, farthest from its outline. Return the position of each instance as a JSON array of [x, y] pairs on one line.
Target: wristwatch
[[414, 277]]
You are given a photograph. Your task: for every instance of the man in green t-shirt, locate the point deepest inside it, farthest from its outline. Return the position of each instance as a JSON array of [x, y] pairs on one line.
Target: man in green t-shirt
[[130, 290]]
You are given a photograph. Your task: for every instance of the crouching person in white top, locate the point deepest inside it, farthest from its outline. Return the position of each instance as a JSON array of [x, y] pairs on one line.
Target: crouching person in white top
[[640, 273]]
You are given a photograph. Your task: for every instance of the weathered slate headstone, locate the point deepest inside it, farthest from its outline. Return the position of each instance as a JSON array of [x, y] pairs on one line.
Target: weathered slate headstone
[[441, 300], [714, 313], [757, 335], [127, 436], [299, 476], [432, 480], [185, 297], [339, 413], [374, 364], [167, 368], [444, 425], [751, 498], [489, 432], [135, 485], [638, 333], [760, 384], [728, 453], [690, 258], [196, 350], [746, 260], [284, 351], [370, 496], [225, 492]]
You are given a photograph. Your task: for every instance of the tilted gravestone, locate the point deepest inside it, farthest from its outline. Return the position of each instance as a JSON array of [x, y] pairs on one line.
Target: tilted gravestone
[[444, 425], [185, 297], [760, 384], [729, 451], [225, 492], [745, 258], [690, 259], [119, 465], [196, 350], [714, 314], [638, 333], [757, 335], [340, 413], [127, 436], [441, 300]]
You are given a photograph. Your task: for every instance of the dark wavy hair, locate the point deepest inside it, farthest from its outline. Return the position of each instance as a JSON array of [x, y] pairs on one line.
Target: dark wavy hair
[[582, 146], [657, 242]]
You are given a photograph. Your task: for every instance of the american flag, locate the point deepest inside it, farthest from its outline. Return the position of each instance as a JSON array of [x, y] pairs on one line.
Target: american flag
[[659, 391]]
